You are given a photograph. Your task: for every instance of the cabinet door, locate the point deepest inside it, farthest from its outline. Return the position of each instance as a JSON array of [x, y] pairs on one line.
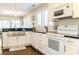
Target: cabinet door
[[12, 41], [5, 40], [20, 40], [28, 38], [71, 46], [75, 10], [69, 50], [0, 45], [33, 40]]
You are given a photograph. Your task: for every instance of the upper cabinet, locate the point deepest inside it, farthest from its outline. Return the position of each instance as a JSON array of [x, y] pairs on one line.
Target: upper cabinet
[[66, 10], [75, 10]]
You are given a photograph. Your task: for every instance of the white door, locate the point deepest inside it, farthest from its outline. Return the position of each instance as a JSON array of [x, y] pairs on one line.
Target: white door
[[5, 40], [28, 38], [0, 25], [0, 45], [20, 40], [12, 41], [33, 40]]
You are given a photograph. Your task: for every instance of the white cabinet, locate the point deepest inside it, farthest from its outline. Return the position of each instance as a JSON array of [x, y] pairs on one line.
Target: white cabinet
[[33, 40], [12, 41], [20, 40], [5, 40], [75, 10], [28, 38], [40, 42], [0, 46], [71, 46]]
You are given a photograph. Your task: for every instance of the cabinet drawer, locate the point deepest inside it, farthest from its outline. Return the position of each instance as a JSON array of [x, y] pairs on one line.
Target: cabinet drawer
[[71, 41], [70, 50], [41, 42]]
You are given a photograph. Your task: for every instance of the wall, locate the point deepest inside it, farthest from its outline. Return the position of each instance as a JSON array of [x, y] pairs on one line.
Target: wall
[[50, 7], [69, 22], [37, 9]]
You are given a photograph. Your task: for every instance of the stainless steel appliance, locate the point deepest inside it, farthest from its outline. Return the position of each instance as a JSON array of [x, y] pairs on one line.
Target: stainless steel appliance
[[63, 11], [55, 44]]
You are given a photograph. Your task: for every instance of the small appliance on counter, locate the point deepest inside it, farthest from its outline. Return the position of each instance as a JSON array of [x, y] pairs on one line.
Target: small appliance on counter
[[52, 27], [40, 29]]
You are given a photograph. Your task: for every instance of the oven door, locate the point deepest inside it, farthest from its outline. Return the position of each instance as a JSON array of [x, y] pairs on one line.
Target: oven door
[[56, 45]]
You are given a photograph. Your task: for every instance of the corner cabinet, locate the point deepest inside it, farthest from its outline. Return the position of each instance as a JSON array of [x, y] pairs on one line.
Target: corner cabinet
[[40, 42]]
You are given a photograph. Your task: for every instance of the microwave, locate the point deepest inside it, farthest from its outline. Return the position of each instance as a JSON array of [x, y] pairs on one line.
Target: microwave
[[63, 11]]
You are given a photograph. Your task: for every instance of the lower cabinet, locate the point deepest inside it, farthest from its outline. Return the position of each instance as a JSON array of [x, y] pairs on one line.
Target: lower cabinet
[[71, 46], [28, 38], [20, 40], [16, 41], [5, 40], [40, 42], [0, 46], [33, 40], [12, 42]]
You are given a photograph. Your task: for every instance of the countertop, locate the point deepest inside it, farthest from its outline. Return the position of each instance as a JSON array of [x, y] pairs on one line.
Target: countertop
[[16, 29]]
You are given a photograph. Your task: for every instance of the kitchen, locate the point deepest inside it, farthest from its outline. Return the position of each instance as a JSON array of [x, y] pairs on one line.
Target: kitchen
[[39, 29]]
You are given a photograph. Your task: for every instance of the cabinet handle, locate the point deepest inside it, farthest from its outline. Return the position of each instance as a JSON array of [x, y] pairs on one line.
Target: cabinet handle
[[70, 41]]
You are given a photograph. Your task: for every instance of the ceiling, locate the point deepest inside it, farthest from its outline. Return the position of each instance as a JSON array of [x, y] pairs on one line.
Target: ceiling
[[16, 9]]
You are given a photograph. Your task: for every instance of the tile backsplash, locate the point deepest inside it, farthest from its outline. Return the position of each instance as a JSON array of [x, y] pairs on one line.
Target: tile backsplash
[[68, 22]]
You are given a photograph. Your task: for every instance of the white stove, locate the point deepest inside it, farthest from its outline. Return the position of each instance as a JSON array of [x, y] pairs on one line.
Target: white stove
[[55, 44]]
